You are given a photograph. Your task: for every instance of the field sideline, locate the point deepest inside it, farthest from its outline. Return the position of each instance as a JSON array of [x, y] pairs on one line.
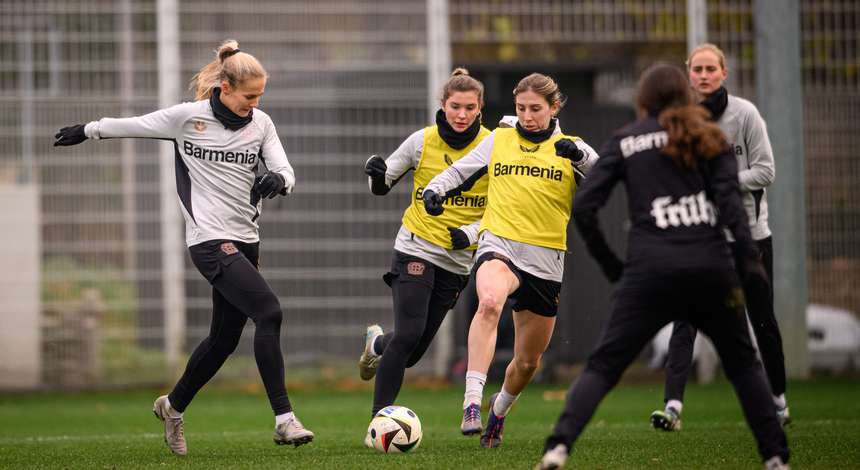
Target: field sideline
[[227, 429]]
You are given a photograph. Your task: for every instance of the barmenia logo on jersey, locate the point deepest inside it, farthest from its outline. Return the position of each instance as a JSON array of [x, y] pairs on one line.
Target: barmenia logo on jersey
[[690, 210], [458, 201], [229, 156], [551, 173]]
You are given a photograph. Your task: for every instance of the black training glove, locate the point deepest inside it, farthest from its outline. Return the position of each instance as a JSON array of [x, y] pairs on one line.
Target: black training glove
[[752, 274], [613, 269], [566, 148], [269, 185], [433, 203], [72, 135], [375, 167], [459, 239]]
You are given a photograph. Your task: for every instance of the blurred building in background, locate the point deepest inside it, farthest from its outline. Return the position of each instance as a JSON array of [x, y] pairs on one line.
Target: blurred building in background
[[82, 298]]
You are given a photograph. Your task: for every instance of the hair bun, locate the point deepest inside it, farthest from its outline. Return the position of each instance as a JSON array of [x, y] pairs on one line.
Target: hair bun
[[459, 71], [228, 49]]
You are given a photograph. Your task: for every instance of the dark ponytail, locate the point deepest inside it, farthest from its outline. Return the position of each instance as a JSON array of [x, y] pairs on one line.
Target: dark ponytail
[[691, 135], [665, 93]]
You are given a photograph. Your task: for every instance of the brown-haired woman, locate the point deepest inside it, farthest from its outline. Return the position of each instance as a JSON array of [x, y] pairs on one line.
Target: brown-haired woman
[[432, 255], [221, 140], [522, 243], [676, 167]]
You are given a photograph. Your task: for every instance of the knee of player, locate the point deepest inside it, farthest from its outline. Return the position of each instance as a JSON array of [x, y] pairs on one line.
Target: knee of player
[[741, 366], [405, 341], [599, 365], [527, 364], [268, 312], [490, 307]]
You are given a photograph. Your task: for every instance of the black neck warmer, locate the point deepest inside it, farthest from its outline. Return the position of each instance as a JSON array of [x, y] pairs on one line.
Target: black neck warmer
[[457, 140], [537, 137], [228, 118], [716, 103]]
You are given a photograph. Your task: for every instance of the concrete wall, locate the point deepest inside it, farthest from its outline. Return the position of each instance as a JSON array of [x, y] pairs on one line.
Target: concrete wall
[[20, 357]]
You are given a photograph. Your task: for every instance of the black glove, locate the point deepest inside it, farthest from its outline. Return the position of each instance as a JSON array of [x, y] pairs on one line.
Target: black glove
[[269, 185], [375, 167], [72, 135], [752, 274], [613, 269], [459, 239], [433, 203], [566, 148]]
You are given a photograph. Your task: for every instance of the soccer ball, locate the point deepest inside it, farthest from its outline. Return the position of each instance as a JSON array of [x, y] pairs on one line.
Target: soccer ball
[[395, 429]]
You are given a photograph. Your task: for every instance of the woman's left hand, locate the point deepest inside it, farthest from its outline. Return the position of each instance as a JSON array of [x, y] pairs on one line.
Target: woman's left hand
[[269, 185]]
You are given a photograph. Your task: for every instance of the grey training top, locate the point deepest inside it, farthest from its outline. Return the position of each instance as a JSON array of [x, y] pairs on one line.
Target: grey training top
[[215, 166], [747, 133]]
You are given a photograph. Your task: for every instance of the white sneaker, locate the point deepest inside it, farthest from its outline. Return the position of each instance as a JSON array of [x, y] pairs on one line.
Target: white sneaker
[[776, 463], [554, 458], [174, 432], [292, 432], [368, 362]]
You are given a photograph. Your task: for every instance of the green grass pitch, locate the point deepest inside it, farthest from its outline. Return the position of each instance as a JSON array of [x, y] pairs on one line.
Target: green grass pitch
[[229, 429]]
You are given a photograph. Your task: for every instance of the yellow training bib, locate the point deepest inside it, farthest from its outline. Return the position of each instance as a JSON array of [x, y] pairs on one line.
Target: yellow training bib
[[464, 209], [530, 190]]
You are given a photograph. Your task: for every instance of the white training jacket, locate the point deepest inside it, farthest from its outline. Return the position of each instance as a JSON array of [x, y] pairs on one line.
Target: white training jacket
[[215, 166], [747, 133]]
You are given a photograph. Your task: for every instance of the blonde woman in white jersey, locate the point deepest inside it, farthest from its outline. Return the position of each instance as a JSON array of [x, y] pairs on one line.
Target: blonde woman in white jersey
[[220, 140]]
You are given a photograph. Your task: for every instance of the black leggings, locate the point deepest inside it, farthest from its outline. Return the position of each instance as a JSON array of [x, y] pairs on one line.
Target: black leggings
[[711, 301], [763, 320], [239, 292], [422, 293]]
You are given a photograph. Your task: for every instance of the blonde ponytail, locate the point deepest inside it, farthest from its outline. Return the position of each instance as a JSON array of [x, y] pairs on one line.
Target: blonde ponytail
[[230, 65]]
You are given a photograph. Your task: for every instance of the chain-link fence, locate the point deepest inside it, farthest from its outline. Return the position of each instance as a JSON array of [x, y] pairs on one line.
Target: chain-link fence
[[348, 79]]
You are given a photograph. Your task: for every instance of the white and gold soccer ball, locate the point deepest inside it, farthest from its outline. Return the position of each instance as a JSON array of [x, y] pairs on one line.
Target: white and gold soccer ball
[[395, 429]]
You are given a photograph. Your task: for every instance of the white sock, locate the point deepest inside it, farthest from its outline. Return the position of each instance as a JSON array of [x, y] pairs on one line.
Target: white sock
[[779, 401], [474, 388], [676, 404], [504, 402], [283, 418], [373, 346], [171, 412]]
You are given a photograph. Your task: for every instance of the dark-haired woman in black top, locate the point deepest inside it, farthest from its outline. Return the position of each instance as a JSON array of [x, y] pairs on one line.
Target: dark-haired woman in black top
[[682, 190]]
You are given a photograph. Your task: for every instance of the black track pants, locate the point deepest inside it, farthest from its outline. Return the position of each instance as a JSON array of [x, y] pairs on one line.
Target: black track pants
[[711, 302], [422, 294], [765, 327], [239, 292]]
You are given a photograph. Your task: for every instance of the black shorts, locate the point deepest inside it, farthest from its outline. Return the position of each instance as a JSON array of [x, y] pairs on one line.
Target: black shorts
[[211, 257], [540, 296]]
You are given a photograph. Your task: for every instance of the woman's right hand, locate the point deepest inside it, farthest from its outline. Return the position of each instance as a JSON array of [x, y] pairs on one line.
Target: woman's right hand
[[72, 135], [433, 203], [375, 167], [459, 239]]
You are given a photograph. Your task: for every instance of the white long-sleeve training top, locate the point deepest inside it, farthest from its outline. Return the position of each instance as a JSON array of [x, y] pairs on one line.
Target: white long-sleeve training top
[[215, 166], [747, 133]]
